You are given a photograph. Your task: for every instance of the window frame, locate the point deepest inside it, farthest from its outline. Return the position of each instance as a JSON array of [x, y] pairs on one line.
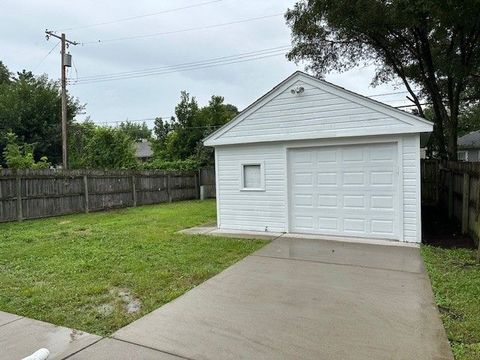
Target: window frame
[[465, 155], [262, 176]]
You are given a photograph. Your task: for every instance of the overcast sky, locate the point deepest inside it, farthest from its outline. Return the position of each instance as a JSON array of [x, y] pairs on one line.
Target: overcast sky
[[23, 46]]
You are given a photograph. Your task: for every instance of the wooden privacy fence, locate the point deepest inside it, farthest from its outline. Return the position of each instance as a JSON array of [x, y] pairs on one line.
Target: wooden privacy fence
[[29, 194], [454, 185]]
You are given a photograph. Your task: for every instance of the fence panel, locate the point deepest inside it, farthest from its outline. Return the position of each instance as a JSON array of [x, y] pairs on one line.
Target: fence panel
[[457, 185], [29, 194]]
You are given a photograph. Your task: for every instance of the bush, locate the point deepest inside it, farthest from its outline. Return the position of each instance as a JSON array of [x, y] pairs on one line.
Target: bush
[[21, 156]]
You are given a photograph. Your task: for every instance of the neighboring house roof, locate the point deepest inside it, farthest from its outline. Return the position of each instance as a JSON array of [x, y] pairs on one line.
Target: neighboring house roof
[[143, 149], [469, 141], [236, 132]]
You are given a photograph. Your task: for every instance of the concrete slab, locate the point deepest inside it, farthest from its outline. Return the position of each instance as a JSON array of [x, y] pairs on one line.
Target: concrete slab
[[354, 254], [23, 337], [107, 349], [6, 318], [288, 308], [261, 235], [198, 230]]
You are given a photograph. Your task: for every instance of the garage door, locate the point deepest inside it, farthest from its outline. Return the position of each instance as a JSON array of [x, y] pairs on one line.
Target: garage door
[[344, 190]]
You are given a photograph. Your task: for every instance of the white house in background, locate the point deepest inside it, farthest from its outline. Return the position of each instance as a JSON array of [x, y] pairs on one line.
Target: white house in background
[[311, 157]]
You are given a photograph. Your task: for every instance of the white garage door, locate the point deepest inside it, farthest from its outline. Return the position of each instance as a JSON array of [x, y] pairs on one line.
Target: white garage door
[[344, 190]]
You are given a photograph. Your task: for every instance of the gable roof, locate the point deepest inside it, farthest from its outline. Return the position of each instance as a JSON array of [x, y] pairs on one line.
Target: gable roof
[[470, 140], [282, 107]]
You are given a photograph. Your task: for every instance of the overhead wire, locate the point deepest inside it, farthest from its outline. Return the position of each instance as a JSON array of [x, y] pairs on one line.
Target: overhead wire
[[130, 18], [224, 60], [198, 28], [46, 56]]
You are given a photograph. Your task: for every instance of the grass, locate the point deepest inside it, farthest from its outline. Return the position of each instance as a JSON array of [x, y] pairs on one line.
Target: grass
[[456, 284], [80, 271]]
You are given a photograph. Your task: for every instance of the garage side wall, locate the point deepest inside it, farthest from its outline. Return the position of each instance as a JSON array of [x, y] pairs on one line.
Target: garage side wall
[[251, 210], [412, 226], [267, 210]]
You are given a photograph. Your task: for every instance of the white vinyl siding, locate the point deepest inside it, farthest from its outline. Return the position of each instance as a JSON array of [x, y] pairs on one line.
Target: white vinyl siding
[[251, 210], [267, 210], [411, 188]]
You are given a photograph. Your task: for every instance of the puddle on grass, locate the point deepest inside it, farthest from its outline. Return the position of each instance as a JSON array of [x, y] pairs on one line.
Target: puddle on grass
[[131, 304], [105, 309]]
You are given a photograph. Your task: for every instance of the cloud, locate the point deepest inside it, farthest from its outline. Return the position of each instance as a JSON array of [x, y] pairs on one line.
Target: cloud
[[25, 46]]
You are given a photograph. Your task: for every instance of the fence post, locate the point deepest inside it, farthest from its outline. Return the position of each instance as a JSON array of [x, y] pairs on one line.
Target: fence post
[[18, 180], [169, 188], [198, 182], [134, 191], [85, 192], [465, 202], [450, 194]]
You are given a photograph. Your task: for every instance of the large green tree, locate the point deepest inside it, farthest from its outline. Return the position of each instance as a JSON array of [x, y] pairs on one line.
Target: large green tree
[[30, 107], [137, 131], [428, 45], [100, 147], [181, 137]]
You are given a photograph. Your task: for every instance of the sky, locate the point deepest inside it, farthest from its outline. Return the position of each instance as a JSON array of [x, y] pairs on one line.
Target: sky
[[231, 48]]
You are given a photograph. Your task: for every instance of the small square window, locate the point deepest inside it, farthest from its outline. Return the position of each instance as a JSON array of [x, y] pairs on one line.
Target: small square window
[[252, 177]]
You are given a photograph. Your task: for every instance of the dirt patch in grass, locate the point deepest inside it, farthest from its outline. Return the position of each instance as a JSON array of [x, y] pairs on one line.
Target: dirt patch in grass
[[439, 230]]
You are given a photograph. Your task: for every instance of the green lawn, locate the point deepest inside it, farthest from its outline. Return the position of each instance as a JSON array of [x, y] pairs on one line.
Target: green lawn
[[81, 270], [456, 283]]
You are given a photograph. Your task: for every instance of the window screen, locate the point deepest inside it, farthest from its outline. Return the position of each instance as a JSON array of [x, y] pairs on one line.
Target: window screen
[[252, 178]]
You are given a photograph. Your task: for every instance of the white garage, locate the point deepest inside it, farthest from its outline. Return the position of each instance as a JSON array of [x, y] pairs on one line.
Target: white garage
[[313, 158]]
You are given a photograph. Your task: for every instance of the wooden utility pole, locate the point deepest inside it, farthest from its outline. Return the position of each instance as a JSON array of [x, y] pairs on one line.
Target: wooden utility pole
[[65, 62]]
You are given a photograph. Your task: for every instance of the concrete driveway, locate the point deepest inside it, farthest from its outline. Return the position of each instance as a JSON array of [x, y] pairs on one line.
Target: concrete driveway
[[298, 299]]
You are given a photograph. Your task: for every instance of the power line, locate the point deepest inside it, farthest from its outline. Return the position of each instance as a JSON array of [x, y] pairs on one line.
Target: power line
[[386, 94], [184, 67], [46, 56], [206, 27], [140, 16], [198, 62]]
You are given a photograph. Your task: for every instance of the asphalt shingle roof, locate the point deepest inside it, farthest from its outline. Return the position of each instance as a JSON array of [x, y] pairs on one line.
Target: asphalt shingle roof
[[470, 141]]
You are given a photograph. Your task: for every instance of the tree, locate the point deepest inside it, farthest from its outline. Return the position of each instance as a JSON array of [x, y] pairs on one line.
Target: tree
[[109, 148], [426, 44], [136, 131], [469, 120], [30, 107], [19, 156], [79, 135], [181, 137], [5, 75]]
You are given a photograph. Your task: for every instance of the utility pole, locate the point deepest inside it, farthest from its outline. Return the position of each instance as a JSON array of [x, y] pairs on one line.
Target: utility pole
[[66, 61]]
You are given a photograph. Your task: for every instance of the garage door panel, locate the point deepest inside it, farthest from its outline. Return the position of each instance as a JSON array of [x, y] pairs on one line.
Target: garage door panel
[[357, 225], [381, 202], [354, 202], [303, 179], [327, 157], [304, 200], [327, 179], [381, 178], [349, 190], [327, 223], [382, 226], [351, 178], [327, 201], [350, 155]]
